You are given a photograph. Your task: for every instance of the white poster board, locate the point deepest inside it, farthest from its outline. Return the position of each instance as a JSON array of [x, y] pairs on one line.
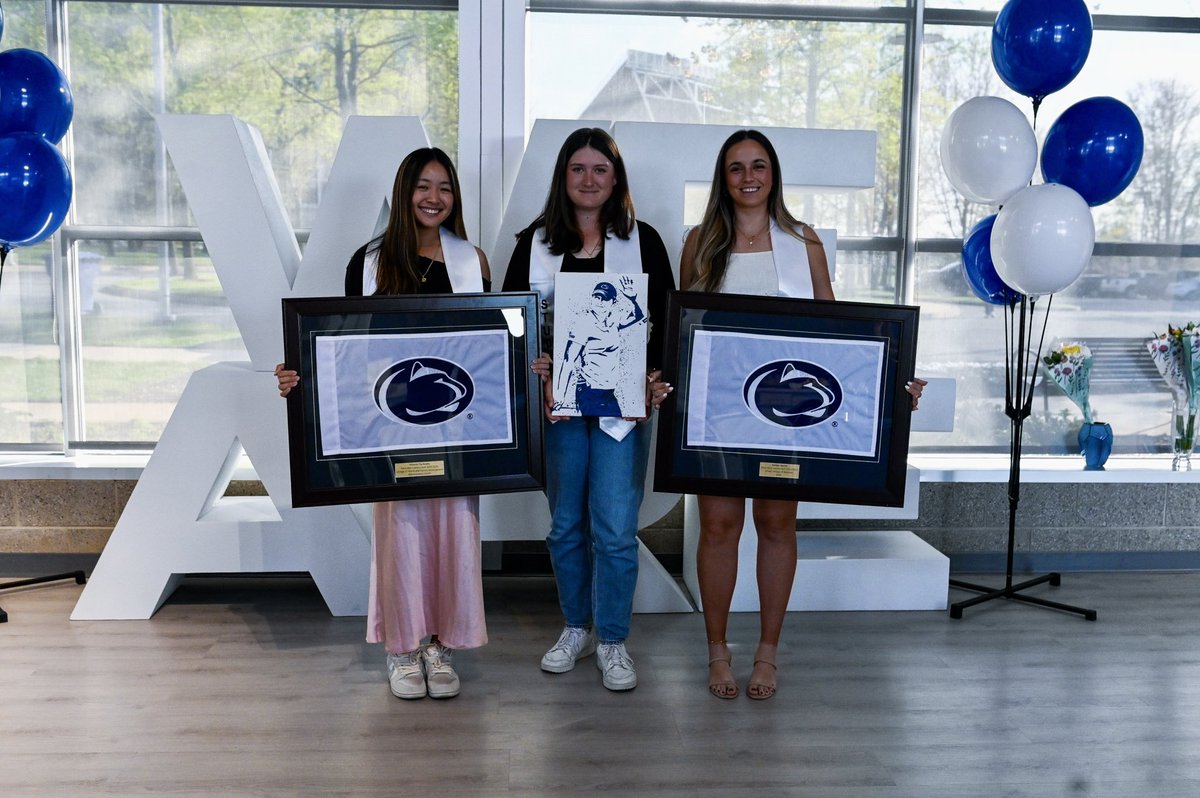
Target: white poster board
[[601, 326]]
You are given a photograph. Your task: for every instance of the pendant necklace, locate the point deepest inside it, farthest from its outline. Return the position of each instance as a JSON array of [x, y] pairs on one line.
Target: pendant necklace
[[425, 273], [750, 238]]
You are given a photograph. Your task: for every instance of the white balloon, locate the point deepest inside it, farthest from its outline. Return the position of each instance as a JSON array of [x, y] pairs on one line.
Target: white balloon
[[1042, 239], [988, 149]]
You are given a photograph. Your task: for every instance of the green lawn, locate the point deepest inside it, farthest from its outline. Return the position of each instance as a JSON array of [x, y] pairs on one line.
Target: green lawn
[[37, 380], [182, 333], [203, 287]]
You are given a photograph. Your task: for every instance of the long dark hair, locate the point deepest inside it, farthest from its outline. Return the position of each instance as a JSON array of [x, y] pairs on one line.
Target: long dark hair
[[396, 272], [717, 228], [558, 216]]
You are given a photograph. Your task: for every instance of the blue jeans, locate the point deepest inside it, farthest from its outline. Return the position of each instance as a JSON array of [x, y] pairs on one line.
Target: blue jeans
[[595, 487], [596, 401]]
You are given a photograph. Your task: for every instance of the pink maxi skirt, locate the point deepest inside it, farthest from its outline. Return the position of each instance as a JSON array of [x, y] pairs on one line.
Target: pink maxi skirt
[[425, 574]]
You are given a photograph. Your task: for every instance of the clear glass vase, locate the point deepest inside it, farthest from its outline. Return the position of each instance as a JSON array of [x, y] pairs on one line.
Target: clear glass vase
[[1183, 436]]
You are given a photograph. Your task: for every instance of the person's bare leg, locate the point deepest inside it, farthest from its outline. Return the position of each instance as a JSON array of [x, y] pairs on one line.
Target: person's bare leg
[[721, 519], [775, 523]]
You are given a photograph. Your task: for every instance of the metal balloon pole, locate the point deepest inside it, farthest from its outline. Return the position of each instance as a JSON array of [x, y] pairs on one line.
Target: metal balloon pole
[[79, 577], [44, 194], [1020, 371]]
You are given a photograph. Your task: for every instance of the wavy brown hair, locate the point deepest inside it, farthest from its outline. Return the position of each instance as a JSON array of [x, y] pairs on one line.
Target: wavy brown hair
[[558, 216], [716, 230], [397, 247]]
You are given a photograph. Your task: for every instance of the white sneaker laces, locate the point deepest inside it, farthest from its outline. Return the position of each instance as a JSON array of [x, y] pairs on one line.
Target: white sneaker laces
[[617, 657], [570, 640], [438, 658], [407, 662]]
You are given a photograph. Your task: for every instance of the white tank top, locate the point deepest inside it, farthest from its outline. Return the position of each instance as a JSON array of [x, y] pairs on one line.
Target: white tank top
[[751, 273], [784, 271]]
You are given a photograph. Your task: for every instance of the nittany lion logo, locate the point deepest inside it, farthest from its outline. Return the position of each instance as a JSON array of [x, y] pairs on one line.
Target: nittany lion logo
[[423, 390], [792, 393]]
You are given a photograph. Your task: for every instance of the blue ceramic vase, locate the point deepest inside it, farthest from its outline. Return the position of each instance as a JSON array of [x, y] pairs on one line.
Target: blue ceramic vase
[[1095, 444]]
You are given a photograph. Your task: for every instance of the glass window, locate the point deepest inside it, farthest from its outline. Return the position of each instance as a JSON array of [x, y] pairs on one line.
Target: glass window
[[865, 276], [30, 379], [1119, 301], [153, 312], [1114, 308], [1146, 8], [836, 75], [1161, 85], [294, 73], [957, 66], [24, 25]]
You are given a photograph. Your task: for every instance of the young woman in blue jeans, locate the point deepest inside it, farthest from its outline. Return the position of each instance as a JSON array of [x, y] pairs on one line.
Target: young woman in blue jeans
[[595, 467]]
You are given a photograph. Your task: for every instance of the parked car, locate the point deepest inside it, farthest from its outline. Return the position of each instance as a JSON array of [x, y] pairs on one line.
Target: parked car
[[1186, 286], [1138, 285], [947, 278]]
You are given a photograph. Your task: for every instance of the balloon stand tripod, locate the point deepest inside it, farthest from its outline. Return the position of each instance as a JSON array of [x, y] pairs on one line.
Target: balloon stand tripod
[[1020, 370], [78, 576]]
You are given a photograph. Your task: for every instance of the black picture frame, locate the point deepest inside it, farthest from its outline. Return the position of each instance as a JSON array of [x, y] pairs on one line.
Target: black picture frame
[[778, 437], [487, 442]]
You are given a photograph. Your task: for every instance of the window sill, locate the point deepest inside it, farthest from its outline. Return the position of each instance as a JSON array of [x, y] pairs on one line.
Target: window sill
[[934, 468], [115, 466]]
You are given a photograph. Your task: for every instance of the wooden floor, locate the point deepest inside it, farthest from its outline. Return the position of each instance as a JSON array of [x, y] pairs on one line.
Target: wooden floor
[[249, 687]]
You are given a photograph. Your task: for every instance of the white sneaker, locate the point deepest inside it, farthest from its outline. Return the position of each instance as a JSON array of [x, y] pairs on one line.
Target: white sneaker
[[439, 671], [617, 666], [574, 643], [405, 675]]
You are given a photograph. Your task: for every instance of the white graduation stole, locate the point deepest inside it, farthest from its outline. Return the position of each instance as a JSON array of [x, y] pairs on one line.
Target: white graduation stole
[[462, 264], [621, 256], [791, 263]]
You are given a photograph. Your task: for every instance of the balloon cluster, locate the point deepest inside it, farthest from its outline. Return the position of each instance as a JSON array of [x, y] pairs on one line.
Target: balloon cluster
[[1041, 240], [35, 184]]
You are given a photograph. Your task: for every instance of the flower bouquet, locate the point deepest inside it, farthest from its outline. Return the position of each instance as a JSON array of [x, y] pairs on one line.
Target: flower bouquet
[[1176, 353], [1069, 366]]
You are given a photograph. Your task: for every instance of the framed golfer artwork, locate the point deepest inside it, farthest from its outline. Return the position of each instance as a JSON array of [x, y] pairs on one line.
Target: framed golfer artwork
[[405, 397], [601, 325], [786, 399]]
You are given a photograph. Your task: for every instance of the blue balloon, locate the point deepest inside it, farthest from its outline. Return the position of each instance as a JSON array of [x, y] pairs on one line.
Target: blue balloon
[[978, 268], [1039, 46], [35, 190], [34, 95], [1095, 147]]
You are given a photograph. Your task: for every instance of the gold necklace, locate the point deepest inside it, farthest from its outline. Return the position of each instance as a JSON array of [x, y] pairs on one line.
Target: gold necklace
[[425, 274], [591, 253], [750, 238]]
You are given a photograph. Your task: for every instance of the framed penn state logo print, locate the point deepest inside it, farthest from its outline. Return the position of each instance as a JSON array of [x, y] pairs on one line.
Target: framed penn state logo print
[[406, 397], [786, 398]]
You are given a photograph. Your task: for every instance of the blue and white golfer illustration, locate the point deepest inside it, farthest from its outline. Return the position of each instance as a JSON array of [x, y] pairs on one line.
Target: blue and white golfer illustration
[[600, 363]]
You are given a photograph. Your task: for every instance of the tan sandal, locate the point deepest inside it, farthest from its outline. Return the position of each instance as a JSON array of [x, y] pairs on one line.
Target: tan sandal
[[761, 691], [726, 688]]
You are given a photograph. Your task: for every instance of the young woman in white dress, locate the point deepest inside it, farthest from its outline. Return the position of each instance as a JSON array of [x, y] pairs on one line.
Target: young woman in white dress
[[749, 243]]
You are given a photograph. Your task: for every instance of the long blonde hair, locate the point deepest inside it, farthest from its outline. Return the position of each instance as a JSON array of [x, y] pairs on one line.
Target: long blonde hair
[[716, 230]]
